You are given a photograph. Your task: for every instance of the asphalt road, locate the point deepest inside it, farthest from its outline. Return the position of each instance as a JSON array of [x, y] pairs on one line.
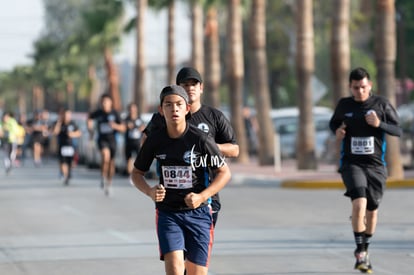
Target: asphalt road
[[50, 229]]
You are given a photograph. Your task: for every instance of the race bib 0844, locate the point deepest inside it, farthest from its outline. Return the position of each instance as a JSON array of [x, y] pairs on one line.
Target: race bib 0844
[[177, 177]]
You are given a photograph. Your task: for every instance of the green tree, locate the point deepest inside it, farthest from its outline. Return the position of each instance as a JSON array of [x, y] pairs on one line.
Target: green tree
[[102, 21]]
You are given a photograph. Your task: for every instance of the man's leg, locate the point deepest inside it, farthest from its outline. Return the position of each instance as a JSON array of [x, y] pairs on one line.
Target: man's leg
[[194, 269], [372, 217], [174, 263], [360, 220], [105, 162], [359, 207]]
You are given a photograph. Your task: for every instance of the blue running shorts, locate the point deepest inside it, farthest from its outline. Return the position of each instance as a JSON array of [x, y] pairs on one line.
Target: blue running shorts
[[187, 230]]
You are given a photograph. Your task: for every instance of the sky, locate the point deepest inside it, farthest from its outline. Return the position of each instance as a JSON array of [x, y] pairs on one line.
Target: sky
[[20, 27]]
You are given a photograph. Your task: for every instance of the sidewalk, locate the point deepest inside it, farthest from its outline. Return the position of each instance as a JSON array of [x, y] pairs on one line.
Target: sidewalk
[[288, 176]]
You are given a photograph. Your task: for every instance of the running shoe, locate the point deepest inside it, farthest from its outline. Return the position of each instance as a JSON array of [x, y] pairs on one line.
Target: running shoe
[[362, 262]]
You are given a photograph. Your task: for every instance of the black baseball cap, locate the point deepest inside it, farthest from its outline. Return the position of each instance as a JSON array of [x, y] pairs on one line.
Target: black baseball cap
[[187, 73], [173, 90]]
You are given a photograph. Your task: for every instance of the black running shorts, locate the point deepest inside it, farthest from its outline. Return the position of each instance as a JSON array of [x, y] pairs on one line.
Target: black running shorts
[[364, 182]]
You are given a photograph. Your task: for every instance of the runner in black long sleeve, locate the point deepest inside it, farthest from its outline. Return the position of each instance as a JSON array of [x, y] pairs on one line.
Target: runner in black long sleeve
[[361, 122]]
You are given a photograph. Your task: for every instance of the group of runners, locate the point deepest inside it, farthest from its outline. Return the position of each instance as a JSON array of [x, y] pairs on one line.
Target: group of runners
[[191, 141]]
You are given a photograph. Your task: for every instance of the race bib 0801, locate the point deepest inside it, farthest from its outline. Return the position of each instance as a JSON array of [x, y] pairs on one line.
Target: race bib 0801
[[362, 145], [177, 177]]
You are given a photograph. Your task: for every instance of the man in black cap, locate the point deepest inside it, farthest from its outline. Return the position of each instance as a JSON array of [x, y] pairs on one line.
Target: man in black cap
[[210, 120]]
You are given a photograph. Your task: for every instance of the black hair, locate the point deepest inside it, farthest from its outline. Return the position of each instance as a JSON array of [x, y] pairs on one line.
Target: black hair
[[105, 96], [358, 74]]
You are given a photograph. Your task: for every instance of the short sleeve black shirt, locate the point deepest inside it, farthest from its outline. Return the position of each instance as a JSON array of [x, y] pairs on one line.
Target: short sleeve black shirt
[[183, 163], [102, 119]]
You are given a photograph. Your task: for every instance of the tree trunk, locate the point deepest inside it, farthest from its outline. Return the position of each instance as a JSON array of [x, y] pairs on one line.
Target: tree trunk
[[385, 56], [260, 78], [197, 35], [21, 102], [340, 54], [305, 153], [38, 98], [113, 79], [94, 88], [340, 49], [171, 43], [212, 75], [140, 65], [70, 92], [235, 72]]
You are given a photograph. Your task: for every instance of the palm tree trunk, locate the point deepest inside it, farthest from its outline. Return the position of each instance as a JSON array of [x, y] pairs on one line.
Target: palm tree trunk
[[340, 49], [197, 35], [171, 42], [260, 78], [306, 157], [70, 92], [212, 65], [21, 102], [235, 74], [140, 65], [38, 99], [340, 54], [385, 56], [113, 79], [94, 88]]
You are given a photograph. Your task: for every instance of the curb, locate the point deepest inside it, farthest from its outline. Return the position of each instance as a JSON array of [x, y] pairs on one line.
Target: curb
[[338, 184]]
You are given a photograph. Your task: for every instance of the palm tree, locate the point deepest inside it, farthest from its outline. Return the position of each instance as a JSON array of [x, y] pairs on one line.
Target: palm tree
[[197, 36], [235, 73], [306, 157], [212, 76], [385, 56], [257, 39], [102, 21], [140, 64], [171, 42], [340, 52], [340, 48]]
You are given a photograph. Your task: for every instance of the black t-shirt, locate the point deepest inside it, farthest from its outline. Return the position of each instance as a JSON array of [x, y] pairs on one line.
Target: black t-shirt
[[105, 131], [36, 124], [363, 144], [63, 138], [184, 164], [133, 135]]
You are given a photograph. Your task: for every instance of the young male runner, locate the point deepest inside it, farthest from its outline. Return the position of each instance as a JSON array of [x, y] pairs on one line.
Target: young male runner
[[185, 156], [134, 126], [361, 122], [206, 118], [108, 123], [66, 131]]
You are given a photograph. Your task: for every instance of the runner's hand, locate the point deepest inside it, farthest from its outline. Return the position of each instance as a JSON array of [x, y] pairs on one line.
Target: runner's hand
[[158, 193], [193, 200], [340, 132]]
